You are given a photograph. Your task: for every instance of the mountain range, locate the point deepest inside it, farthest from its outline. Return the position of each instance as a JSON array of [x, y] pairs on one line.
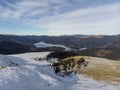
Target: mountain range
[[72, 41], [96, 45]]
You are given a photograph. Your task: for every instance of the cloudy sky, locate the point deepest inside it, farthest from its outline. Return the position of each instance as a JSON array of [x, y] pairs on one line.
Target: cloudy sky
[[59, 17]]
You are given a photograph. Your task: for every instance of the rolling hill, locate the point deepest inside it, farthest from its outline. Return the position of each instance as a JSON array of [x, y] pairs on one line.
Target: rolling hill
[[22, 72]]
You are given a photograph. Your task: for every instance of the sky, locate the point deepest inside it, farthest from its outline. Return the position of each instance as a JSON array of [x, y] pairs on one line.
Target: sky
[[60, 17]]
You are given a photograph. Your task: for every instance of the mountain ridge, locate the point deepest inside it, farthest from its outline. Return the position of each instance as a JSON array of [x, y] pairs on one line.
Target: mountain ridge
[[96, 45]]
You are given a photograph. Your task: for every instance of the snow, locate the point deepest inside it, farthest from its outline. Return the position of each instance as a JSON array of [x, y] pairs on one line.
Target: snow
[[36, 75], [82, 49], [44, 45]]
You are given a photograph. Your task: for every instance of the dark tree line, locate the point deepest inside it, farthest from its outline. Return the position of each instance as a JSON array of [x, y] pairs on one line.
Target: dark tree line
[[61, 54]]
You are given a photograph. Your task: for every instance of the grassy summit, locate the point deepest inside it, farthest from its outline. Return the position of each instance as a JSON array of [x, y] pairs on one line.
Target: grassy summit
[[101, 69]]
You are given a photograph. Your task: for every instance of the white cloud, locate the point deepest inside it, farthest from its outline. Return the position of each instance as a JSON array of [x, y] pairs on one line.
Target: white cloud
[[88, 21], [50, 14]]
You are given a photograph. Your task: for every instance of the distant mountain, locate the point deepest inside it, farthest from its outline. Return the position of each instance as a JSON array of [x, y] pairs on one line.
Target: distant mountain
[[107, 52], [11, 47], [18, 44], [72, 41]]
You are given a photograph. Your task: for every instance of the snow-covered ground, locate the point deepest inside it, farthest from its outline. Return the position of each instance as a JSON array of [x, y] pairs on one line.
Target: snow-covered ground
[[22, 72], [44, 45], [82, 49]]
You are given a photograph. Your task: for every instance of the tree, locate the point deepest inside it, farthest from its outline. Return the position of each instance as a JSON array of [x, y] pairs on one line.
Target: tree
[[57, 70], [80, 62]]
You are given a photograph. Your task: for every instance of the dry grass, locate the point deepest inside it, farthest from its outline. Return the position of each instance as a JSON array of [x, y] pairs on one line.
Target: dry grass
[[3, 67], [101, 69]]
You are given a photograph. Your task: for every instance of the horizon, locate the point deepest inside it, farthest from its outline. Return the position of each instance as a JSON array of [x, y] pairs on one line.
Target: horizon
[[61, 35], [60, 17]]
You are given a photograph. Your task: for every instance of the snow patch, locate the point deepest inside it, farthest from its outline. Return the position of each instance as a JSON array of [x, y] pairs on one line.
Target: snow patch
[[82, 49], [45, 45]]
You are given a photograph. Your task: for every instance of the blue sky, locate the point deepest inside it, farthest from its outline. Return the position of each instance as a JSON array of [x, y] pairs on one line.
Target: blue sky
[[59, 17]]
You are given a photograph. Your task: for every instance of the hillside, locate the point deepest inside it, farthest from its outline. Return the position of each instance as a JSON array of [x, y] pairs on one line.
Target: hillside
[[11, 47], [22, 72], [100, 68], [109, 53]]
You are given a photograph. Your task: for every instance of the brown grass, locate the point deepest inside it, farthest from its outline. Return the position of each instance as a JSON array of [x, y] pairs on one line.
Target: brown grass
[[101, 69]]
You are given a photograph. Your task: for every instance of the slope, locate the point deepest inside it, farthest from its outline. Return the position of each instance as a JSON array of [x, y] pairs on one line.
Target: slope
[[22, 72]]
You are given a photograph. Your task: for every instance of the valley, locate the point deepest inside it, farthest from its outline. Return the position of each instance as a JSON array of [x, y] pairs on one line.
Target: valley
[[87, 45]]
